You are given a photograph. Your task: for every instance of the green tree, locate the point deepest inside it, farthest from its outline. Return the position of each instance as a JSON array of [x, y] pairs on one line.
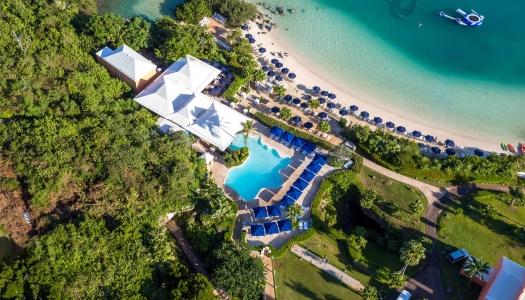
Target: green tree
[[486, 209], [370, 293], [339, 155], [476, 267], [192, 11], [357, 241], [112, 29], [517, 195], [236, 11], [368, 198], [234, 35], [294, 211], [342, 122], [279, 91], [238, 273], [259, 75], [427, 244], [416, 208], [286, 113], [137, 33], [323, 126], [397, 280], [362, 133], [247, 127], [411, 253], [221, 207], [314, 104]]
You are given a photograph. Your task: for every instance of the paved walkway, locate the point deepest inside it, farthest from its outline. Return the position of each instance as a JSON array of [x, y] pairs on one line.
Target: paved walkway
[[190, 253], [269, 288], [316, 261]]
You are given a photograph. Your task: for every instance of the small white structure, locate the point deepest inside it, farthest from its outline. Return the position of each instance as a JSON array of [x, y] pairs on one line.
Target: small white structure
[[208, 158], [128, 65]]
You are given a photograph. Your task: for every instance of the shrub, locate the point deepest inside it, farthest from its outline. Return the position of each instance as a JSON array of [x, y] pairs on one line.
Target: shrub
[[269, 121], [459, 211], [244, 150], [234, 87], [342, 122]]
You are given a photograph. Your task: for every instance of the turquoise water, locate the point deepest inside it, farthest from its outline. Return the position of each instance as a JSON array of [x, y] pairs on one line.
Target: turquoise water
[[466, 80], [148, 9], [462, 79], [260, 170]]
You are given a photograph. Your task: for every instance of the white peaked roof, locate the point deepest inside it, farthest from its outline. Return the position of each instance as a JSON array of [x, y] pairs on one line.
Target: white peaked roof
[[127, 61], [509, 283], [208, 158], [176, 96], [191, 72]]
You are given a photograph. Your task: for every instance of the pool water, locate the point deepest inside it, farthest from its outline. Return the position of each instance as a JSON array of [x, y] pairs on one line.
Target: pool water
[[260, 170]]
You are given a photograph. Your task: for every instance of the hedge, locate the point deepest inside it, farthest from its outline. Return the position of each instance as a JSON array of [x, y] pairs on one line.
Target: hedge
[[234, 87], [229, 233], [269, 121]]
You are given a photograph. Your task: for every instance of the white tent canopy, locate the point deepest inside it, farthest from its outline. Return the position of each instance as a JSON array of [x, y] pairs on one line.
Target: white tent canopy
[[208, 158], [176, 96]]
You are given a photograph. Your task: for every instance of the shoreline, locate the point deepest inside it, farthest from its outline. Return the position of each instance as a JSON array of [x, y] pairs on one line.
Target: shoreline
[[308, 78]]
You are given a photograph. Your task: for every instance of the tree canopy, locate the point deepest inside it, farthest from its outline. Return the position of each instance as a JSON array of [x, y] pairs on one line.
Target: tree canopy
[[236, 11], [239, 273], [192, 11]]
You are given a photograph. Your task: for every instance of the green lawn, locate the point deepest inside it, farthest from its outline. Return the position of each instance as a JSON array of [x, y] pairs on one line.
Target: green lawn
[[487, 238], [337, 253], [298, 279], [401, 195]]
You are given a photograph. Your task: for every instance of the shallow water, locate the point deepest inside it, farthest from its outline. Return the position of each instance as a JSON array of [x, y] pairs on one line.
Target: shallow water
[[260, 170], [469, 80]]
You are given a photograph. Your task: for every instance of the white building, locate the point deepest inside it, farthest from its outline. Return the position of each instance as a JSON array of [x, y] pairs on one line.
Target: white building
[[176, 95]]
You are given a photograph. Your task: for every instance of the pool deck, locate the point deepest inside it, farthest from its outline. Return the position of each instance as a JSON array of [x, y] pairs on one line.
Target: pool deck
[[268, 197]]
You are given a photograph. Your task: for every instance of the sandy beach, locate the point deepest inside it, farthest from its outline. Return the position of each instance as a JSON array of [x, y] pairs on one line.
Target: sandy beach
[[308, 78]]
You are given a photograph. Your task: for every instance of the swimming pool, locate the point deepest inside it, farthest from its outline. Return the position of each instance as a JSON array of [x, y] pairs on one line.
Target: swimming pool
[[260, 170]]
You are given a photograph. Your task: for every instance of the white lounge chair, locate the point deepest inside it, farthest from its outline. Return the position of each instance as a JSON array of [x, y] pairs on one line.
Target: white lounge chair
[[301, 225]]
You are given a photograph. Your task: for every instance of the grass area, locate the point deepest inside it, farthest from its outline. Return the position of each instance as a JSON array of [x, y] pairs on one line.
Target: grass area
[[485, 237], [298, 279], [401, 195], [337, 253], [6, 245]]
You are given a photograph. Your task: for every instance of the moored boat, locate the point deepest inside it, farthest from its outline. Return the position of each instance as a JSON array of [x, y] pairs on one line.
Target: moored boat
[[511, 148], [504, 146]]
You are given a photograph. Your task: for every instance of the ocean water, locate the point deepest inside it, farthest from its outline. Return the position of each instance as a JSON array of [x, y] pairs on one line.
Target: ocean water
[[260, 170], [149, 9], [469, 80]]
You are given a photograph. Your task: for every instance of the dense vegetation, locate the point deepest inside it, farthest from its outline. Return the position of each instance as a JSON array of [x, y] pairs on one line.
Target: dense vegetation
[[403, 156], [85, 155], [236, 11]]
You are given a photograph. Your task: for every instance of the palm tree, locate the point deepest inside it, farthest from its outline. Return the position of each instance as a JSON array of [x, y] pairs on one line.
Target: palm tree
[[259, 75], [313, 104], [412, 253], [221, 207], [286, 113], [294, 210], [247, 127], [279, 91], [475, 267], [370, 293], [323, 126]]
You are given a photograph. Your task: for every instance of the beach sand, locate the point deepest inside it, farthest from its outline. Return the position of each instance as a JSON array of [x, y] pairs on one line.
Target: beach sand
[[308, 78]]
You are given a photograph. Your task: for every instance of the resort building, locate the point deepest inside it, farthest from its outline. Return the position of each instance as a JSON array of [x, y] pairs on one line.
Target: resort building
[[176, 95], [506, 281], [129, 66]]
